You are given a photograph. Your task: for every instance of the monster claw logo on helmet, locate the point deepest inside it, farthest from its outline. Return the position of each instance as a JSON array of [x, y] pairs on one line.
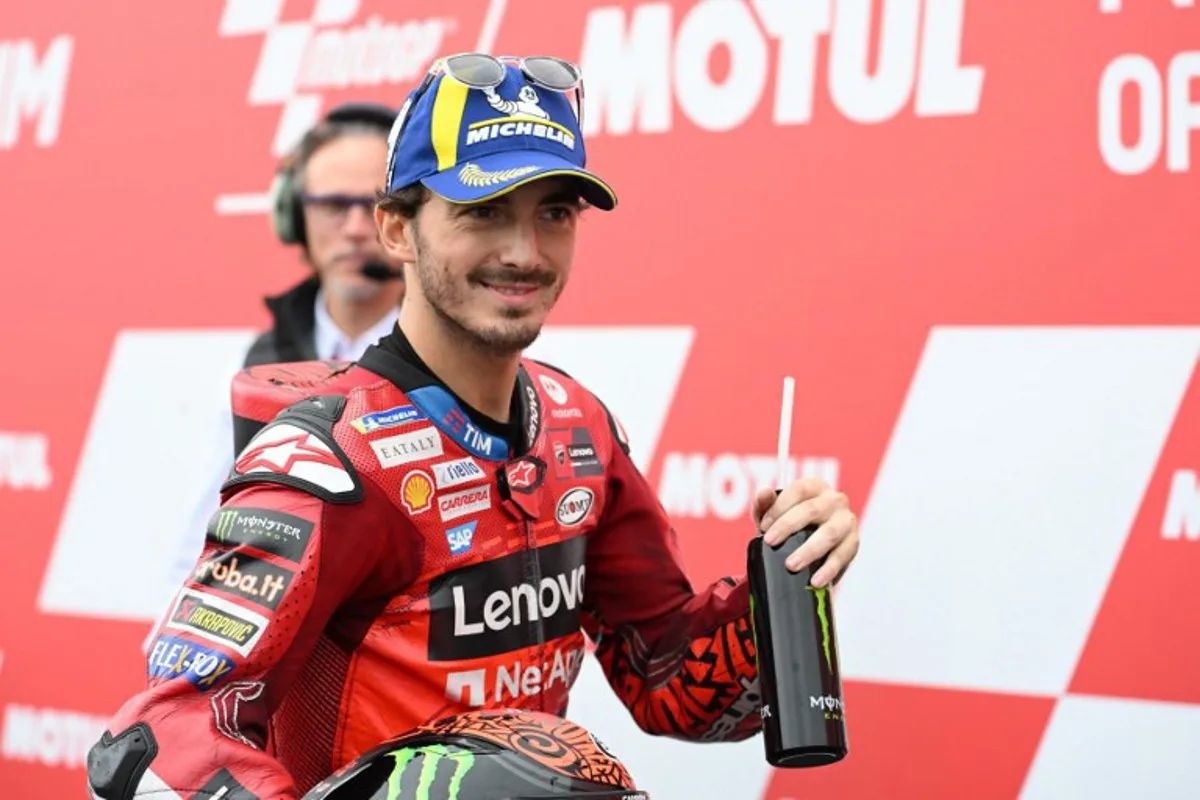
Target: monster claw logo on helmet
[[485, 755], [429, 768]]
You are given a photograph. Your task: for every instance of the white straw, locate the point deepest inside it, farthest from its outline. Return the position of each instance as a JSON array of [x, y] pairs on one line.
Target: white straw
[[785, 430]]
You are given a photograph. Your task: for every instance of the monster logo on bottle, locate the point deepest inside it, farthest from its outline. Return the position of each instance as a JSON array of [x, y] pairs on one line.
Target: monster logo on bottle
[[823, 615]]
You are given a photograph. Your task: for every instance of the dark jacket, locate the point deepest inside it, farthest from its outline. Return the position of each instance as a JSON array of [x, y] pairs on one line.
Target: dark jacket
[[291, 336]]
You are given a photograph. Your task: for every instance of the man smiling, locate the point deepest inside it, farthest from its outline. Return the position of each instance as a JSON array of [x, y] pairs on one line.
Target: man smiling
[[450, 516]]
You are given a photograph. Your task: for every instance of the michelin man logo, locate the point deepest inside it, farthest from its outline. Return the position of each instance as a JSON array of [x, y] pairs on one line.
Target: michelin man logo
[[526, 104]]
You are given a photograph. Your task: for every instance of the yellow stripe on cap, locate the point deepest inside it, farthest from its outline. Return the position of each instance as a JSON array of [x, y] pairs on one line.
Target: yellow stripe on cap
[[448, 109]]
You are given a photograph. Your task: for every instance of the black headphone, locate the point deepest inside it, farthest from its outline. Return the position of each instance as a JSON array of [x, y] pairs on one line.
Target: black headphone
[[287, 210]]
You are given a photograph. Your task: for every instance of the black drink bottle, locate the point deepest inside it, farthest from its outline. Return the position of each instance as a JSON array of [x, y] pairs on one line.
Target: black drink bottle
[[798, 670]]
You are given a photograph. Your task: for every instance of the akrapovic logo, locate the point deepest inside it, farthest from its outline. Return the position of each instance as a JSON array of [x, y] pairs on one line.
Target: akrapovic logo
[[504, 605]]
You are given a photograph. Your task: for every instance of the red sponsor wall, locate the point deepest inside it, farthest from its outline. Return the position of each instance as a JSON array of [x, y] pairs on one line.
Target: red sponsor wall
[[968, 229]]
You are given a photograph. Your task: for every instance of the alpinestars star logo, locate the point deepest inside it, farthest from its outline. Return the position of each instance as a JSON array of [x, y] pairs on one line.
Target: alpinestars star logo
[[335, 48]]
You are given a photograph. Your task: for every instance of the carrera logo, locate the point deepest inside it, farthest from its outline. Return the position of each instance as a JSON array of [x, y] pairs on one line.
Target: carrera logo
[[469, 501], [417, 492], [495, 607], [405, 448], [574, 506]]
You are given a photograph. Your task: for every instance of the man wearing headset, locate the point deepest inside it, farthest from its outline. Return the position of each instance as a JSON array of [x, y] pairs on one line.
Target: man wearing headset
[[323, 200]]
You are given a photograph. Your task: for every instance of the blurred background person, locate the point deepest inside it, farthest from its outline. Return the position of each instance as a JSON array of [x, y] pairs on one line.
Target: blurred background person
[[323, 201]]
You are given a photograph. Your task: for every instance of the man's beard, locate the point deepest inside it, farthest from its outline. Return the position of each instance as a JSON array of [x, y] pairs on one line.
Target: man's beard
[[447, 299]]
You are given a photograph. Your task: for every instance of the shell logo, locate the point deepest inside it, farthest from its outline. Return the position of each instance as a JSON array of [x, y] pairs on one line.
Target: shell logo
[[417, 491]]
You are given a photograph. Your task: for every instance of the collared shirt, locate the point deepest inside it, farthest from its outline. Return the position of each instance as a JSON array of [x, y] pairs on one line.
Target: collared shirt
[[332, 343]]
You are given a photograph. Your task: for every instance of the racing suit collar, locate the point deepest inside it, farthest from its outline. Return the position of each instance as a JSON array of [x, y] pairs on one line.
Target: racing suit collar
[[395, 359]]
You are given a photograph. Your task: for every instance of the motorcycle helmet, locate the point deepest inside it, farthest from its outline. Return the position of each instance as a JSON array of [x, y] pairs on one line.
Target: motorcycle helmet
[[502, 754]]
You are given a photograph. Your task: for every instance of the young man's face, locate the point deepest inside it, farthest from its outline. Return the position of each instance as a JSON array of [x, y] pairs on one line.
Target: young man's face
[[491, 270]]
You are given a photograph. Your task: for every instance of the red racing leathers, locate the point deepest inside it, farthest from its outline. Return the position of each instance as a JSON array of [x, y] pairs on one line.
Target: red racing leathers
[[380, 561]]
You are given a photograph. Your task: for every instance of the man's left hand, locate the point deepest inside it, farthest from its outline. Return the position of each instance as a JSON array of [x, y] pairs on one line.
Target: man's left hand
[[810, 501]]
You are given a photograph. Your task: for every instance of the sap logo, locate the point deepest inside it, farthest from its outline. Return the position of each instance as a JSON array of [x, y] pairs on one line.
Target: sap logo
[[50, 736], [520, 679], [32, 91], [641, 65], [723, 486], [460, 538], [1182, 516], [503, 608]]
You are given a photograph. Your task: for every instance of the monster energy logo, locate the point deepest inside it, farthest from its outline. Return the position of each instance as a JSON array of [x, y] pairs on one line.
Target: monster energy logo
[[224, 527], [283, 534], [823, 615], [433, 756]]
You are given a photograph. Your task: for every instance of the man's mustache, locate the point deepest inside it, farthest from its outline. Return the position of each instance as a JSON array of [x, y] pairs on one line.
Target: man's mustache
[[539, 277]]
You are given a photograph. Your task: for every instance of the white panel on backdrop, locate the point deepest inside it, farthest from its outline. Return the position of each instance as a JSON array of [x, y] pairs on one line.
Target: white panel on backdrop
[[633, 370], [1013, 476], [149, 439], [158, 402], [1105, 748]]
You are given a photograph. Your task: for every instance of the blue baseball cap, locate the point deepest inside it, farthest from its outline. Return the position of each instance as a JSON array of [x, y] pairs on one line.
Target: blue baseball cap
[[468, 144]]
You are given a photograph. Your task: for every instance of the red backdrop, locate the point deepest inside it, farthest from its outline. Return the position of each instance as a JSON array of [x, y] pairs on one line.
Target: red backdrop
[[967, 228]]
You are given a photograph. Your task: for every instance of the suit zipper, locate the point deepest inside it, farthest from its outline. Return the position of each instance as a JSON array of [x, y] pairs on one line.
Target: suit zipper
[[537, 626]]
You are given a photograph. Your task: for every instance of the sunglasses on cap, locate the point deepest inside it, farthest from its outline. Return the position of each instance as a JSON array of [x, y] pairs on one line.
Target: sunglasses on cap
[[485, 71]]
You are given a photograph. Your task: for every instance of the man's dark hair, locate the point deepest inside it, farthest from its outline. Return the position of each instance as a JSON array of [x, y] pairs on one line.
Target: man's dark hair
[[405, 201]]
